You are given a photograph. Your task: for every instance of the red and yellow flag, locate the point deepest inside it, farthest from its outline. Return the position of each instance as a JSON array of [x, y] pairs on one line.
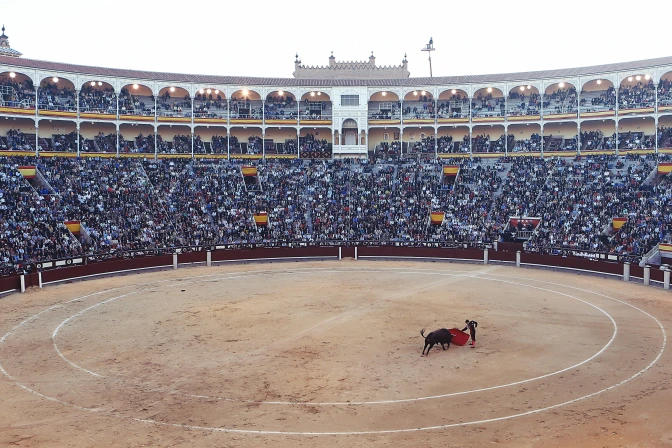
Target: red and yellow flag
[[261, 218], [437, 218], [451, 170], [665, 248], [249, 170], [664, 168], [73, 226], [27, 171], [617, 223]]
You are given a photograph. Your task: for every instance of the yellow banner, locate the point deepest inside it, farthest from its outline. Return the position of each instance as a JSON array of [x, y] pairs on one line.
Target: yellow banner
[[665, 247], [136, 117]]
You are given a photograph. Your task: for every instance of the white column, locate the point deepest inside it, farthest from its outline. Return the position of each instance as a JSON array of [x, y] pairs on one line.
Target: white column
[[355, 252], [340, 256], [666, 278], [485, 256], [23, 283], [174, 261], [626, 272], [39, 278], [647, 275], [517, 259], [37, 138], [78, 137], [208, 259]]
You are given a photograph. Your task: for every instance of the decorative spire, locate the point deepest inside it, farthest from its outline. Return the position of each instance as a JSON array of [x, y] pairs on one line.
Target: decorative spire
[[297, 57], [5, 49], [404, 58], [332, 55]]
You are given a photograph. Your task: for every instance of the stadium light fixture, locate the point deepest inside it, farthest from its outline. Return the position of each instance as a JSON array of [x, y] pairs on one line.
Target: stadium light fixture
[[630, 78], [100, 83], [319, 93], [384, 93], [423, 93], [312, 93], [12, 75], [209, 91], [453, 91], [529, 87], [172, 89], [201, 91], [647, 77], [562, 84], [415, 93], [93, 83], [217, 92], [638, 77], [281, 92], [55, 79], [245, 92], [489, 89], [522, 88], [135, 86], [599, 81]]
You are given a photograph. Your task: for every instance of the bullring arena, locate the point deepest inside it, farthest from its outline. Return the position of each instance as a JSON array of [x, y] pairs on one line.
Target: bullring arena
[[328, 353], [232, 261]]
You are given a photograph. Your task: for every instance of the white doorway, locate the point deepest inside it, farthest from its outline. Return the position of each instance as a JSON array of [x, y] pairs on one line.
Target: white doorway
[[350, 138]]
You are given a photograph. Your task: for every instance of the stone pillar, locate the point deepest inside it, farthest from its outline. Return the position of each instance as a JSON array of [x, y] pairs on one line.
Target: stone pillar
[[626, 272], [647, 275], [174, 261], [485, 256], [666, 278], [23, 283], [208, 258], [39, 278], [517, 259]]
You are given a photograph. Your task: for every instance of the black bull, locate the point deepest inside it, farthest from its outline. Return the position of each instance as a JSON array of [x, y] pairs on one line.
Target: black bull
[[441, 336]]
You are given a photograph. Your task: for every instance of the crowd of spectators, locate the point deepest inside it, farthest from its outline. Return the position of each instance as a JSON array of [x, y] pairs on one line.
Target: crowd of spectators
[[16, 140], [66, 142], [280, 108], [50, 97], [135, 204], [135, 105], [638, 95], [599, 100], [98, 101], [561, 101], [521, 104], [665, 92], [17, 94], [29, 228]]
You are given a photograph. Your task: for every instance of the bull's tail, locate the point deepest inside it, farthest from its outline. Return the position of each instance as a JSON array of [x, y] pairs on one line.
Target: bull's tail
[[422, 332]]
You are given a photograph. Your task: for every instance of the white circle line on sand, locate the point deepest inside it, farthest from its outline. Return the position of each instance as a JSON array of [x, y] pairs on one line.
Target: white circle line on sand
[[427, 428], [372, 402]]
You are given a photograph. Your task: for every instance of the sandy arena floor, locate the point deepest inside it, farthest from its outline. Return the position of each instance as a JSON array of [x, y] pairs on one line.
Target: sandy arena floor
[[327, 354]]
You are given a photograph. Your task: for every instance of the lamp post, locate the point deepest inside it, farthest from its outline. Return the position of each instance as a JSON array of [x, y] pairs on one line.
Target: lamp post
[[429, 48]]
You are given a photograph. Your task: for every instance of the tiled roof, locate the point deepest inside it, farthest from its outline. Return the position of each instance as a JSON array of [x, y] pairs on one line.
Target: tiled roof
[[9, 51], [252, 81]]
